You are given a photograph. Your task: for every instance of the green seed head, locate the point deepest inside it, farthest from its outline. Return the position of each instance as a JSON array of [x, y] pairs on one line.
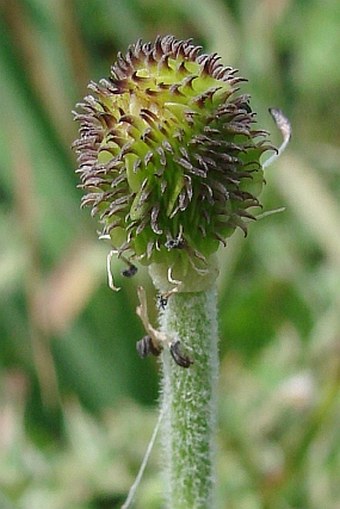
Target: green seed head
[[168, 155]]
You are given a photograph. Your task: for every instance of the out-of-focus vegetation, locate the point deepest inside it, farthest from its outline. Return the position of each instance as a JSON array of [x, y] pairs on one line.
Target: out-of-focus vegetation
[[77, 406]]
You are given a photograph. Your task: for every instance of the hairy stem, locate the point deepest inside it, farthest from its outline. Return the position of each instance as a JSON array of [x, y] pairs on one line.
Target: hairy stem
[[189, 401]]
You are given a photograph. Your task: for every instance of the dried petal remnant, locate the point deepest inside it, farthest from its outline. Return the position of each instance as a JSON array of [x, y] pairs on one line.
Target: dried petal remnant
[[167, 150]]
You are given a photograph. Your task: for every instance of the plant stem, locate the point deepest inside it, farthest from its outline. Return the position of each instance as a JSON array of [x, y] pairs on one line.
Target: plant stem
[[189, 401]]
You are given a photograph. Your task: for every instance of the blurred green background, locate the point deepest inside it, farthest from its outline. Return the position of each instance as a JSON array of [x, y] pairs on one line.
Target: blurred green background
[[77, 405]]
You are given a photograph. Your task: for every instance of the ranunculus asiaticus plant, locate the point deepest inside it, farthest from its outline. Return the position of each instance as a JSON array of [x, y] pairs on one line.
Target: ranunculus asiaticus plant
[[170, 162], [169, 156]]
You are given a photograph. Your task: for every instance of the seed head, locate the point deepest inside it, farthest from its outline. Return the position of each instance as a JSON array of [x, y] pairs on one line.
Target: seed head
[[168, 155]]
